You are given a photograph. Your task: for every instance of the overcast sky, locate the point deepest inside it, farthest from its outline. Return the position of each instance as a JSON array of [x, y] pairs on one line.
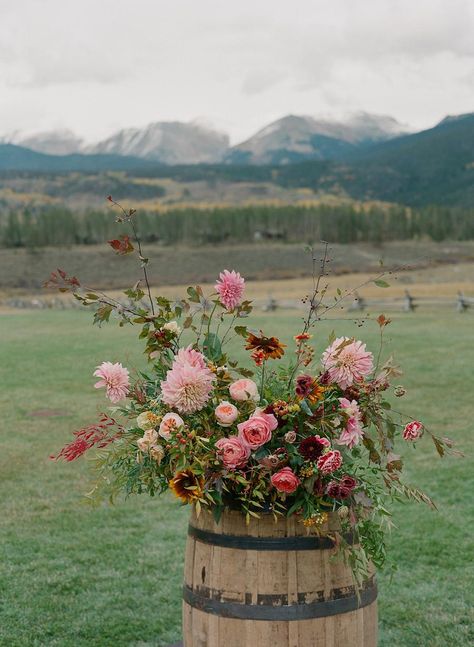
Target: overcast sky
[[95, 66]]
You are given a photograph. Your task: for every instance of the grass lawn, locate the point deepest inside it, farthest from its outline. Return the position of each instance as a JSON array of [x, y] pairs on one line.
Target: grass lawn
[[73, 576]]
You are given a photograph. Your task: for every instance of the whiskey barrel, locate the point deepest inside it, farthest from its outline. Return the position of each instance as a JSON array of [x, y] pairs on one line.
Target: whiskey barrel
[[272, 585]]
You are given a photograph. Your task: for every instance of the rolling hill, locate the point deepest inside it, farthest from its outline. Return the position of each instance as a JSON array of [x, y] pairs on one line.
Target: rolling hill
[[18, 158]]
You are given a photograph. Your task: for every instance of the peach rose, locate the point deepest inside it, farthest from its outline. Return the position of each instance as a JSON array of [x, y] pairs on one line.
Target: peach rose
[[157, 453], [171, 422], [149, 439], [233, 452], [285, 480], [244, 389], [257, 430], [226, 413]]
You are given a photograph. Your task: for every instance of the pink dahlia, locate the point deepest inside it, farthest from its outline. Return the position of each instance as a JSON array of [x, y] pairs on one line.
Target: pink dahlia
[[353, 431], [230, 287], [189, 356], [346, 361], [187, 388], [115, 378]]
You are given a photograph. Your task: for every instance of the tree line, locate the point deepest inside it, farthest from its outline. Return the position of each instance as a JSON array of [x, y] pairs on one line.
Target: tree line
[[60, 226]]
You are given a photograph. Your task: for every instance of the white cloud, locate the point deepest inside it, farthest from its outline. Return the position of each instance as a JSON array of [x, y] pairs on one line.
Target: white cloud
[[98, 65]]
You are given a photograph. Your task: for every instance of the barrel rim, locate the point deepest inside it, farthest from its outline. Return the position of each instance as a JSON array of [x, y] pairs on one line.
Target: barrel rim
[[248, 542]]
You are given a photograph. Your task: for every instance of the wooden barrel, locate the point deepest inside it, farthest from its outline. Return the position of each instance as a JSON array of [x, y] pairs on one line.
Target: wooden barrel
[[271, 585]]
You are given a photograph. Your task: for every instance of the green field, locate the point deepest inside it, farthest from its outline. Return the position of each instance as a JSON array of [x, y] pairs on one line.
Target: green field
[[73, 576]]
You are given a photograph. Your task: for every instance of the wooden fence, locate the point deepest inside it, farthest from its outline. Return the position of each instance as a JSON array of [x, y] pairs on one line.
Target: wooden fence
[[407, 303]]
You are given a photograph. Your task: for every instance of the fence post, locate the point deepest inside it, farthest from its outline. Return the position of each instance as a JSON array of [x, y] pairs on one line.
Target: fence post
[[409, 305], [462, 304], [358, 303], [271, 306]]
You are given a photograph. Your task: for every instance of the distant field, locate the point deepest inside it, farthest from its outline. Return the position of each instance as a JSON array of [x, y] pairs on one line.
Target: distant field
[[98, 266], [75, 577]]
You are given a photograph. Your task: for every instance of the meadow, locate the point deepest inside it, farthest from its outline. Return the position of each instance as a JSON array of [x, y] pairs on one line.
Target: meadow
[[75, 576]]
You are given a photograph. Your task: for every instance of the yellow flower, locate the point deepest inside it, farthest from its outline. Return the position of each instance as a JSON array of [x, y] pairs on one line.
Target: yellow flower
[[317, 519], [148, 420], [186, 486]]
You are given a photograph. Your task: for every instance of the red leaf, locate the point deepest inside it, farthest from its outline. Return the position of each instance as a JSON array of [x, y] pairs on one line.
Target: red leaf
[[121, 245]]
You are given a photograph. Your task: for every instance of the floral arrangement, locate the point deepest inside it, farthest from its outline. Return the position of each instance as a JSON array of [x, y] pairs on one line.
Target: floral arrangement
[[300, 437]]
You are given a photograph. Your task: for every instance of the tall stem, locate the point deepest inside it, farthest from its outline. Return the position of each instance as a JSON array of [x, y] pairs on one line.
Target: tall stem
[[142, 259], [128, 217]]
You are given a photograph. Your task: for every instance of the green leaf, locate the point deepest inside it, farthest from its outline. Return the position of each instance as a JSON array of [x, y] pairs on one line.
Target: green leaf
[[241, 330], [217, 511], [305, 407], [380, 283], [193, 295], [212, 346]]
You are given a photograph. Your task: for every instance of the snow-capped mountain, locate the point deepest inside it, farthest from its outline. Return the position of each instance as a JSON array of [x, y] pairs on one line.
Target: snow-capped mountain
[[171, 142], [290, 139], [295, 138], [54, 142]]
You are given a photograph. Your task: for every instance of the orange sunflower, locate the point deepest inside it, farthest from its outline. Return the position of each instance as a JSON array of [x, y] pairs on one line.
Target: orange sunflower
[[269, 347], [186, 486]]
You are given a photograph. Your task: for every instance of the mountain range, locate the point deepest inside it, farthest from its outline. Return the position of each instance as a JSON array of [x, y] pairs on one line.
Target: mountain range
[[290, 139], [367, 157]]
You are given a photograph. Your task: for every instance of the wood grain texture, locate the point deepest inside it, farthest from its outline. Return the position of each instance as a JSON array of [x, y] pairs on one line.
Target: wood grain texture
[[225, 587]]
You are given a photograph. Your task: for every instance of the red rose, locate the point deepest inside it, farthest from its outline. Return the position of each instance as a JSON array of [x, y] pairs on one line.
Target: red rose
[[285, 480]]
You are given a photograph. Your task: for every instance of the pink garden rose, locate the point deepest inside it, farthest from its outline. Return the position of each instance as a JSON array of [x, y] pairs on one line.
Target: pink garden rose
[[233, 452], [353, 432], [257, 430], [226, 414], [171, 422], [243, 389], [230, 288], [346, 361], [330, 462], [413, 430], [115, 378], [285, 480]]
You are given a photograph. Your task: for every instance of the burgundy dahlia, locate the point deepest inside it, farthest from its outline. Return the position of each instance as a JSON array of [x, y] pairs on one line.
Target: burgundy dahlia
[[341, 489], [348, 482], [304, 385], [312, 447]]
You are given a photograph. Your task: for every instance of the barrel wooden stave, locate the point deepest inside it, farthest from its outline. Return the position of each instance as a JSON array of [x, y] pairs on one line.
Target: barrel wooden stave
[[268, 579]]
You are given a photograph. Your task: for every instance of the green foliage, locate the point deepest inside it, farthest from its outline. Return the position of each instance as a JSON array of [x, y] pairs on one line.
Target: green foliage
[[59, 226]]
